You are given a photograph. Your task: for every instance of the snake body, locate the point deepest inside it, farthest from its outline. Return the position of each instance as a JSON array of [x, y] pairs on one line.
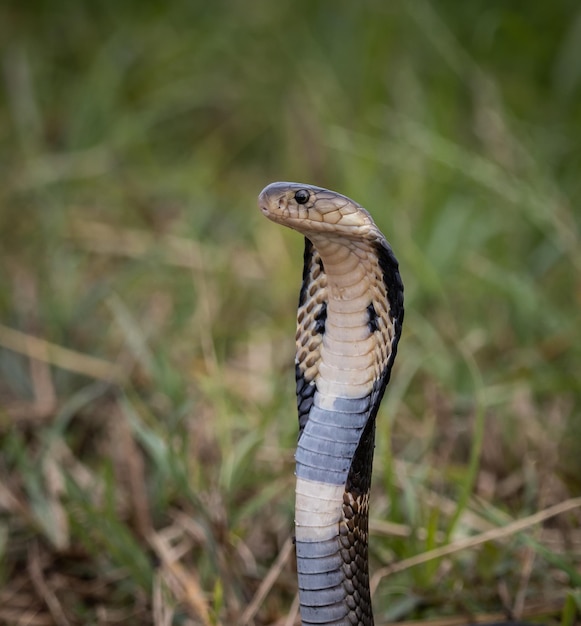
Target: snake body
[[349, 323]]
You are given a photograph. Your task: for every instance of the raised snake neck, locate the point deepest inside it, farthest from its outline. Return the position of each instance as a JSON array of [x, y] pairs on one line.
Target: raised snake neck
[[349, 323]]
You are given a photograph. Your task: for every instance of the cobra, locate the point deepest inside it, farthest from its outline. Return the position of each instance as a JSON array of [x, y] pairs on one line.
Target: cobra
[[349, 323]]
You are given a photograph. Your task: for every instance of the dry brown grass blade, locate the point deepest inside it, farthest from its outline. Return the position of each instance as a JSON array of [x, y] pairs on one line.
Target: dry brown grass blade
[[136, 244], [17, 617], [42, 350], [182, 583], [42, 589], [293, 614], [162, 612], [130, 470], [526, 571], [391, 529], [267, 583], [534, 610], [459, 620], [13, 504], [481, 618], [55, 488], [471, 542]]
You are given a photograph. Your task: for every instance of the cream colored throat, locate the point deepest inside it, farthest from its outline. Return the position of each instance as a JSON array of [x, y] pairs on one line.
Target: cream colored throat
[[351, 357]]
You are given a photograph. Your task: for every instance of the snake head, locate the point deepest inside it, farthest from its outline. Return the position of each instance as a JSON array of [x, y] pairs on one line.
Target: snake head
[[311, 210]]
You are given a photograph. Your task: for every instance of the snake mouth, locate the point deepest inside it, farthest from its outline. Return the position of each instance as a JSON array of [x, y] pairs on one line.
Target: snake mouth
[[264, 201]]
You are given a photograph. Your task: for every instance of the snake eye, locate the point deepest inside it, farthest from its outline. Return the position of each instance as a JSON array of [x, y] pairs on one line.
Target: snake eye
[[302, 196]]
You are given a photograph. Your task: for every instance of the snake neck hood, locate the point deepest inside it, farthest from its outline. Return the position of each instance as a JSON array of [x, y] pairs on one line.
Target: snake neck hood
[[349, 322]]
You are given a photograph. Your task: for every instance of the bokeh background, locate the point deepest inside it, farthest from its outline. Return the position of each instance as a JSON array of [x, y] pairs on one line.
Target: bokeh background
[[147, 309]]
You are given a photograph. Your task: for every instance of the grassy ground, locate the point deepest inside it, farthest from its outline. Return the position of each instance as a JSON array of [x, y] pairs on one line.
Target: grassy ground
[[147, 420]]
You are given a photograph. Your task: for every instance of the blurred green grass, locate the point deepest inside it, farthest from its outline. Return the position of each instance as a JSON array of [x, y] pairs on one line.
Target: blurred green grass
[[146, 474]]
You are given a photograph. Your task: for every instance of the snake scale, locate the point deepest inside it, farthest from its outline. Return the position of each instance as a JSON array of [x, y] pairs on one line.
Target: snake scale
[[349, 323]]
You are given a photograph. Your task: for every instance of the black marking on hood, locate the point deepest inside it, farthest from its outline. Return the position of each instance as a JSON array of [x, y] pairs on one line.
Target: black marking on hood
[[320, 319], [307, 269], [394, 285], [392, 279], [372, 322]]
